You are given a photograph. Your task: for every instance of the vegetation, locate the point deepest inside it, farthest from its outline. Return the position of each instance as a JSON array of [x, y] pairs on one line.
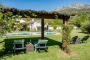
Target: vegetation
[[86, 27], [79, 19], [66, 38], [6, 23], [54, 22]]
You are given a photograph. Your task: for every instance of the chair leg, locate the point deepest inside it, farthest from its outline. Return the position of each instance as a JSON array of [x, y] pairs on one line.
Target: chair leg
[[24, 51], [35, 49], [46, 49], [13, 51]]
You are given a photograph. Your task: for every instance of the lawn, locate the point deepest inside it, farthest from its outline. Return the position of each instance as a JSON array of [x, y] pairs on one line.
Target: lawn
[[79, 51]]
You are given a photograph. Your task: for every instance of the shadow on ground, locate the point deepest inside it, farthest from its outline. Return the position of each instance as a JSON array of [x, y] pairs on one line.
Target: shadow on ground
[[84, 32], [7, 50]]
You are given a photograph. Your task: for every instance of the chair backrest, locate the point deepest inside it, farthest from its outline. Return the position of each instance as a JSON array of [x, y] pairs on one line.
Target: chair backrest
[[74, 38], [85, 37], [19, 43], [42, 42]]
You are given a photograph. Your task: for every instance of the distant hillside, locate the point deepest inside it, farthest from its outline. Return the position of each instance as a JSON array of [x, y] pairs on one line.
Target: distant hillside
[[74, 8]]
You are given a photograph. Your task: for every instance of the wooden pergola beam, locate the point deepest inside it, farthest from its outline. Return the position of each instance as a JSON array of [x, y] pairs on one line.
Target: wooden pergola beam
[[65, 20], [35, 14]]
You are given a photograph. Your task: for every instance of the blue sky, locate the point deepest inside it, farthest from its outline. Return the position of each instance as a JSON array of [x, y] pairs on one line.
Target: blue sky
[[40, 4]]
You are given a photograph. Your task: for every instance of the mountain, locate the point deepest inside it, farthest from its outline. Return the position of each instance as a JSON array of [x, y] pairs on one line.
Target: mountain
[[74, 8]]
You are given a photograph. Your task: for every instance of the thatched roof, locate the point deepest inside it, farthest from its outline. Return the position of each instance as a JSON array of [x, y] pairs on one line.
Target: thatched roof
[[35, 14]]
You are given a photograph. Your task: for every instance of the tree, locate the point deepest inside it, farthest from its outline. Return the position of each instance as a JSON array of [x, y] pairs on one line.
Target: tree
[[66, 38], [54, 22], [86, 26], [78, 19], [6, 22], [3, 6], [2, 25]]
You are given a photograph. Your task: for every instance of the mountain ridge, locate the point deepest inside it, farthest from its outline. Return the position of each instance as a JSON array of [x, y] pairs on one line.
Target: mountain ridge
[[73, 8]]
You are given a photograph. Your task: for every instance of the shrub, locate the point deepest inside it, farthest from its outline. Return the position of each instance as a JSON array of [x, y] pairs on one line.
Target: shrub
[[27, 29], [85, 27]]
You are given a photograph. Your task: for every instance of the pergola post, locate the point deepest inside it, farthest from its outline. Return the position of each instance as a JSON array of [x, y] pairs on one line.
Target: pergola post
[[65, 21], [42, 28]]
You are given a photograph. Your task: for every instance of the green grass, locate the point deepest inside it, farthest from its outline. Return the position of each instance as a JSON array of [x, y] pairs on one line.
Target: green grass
[[79, 51]]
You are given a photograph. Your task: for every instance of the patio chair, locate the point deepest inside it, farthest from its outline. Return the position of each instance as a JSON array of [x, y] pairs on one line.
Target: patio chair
[[18, 45], [84, 39], [41, 44], [78, 41], [81, 40], [73, 40]]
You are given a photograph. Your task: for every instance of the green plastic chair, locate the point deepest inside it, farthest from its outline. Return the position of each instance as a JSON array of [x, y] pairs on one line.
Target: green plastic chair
[[41, 44], [18, 45], [84, 39]]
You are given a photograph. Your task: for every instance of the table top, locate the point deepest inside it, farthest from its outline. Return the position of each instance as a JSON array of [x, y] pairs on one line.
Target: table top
[[29, 44]]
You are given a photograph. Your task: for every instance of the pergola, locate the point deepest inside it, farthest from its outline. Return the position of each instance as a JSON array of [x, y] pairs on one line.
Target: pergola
[[39, 14]]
